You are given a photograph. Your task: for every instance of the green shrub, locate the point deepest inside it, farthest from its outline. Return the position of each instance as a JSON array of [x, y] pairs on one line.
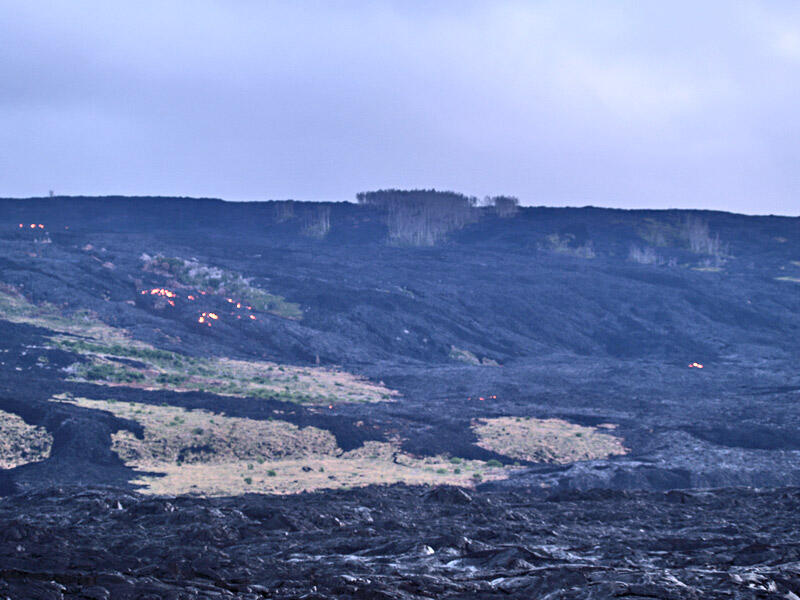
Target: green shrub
[[170, 379], [108, 372]]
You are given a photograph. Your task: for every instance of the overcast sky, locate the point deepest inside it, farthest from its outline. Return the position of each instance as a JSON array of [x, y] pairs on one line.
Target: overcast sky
[[622, 104]]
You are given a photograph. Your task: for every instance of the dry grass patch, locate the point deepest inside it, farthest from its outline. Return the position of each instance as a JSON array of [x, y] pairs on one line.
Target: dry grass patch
[[177, 435], [161, 370], [292, 476], [546, 440], [198, 452], [21, 443]]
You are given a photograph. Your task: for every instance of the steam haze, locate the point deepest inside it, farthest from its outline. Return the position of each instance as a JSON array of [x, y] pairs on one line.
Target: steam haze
[[621, 104]]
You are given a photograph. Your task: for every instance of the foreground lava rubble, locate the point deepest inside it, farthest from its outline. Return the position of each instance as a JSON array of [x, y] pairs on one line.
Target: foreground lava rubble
[[402, 542]]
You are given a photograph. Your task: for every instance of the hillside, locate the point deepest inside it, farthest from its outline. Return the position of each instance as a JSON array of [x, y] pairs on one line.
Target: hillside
[[202, 399], [315, 313]]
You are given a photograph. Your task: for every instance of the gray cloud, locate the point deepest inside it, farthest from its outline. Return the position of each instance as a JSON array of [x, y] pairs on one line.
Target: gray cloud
[[626, 104]]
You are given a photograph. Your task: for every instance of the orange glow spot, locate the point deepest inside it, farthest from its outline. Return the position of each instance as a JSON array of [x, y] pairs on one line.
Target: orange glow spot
[[213, 316], [171, 302], [252, 318], [20, 225], [190, 297], [33, 225], [481, 398], [238, 305], [41, 226], [249, 308], [330, 406], [201, 320], [229, 300], [695, 365]]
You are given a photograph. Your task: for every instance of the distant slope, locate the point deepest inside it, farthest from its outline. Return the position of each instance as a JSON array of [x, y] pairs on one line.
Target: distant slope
[[587, 281]]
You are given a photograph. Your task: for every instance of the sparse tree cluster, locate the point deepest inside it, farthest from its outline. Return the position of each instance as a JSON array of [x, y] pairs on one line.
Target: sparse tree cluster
[[505, 206], [421, 217]]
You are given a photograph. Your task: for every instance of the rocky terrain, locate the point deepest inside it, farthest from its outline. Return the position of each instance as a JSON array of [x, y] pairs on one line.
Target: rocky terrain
[[607, 388], [400, 542]]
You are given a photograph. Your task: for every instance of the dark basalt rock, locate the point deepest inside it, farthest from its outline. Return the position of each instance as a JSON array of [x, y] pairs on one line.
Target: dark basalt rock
[[110, 543], [448, 495], [7, 485]]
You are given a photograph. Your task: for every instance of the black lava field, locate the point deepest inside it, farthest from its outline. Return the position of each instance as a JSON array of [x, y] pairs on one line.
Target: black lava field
[[589, 316]]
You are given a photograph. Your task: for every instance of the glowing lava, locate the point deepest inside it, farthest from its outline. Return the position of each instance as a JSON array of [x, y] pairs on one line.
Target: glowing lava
[[160, 292], [207, 317], [695, 365]]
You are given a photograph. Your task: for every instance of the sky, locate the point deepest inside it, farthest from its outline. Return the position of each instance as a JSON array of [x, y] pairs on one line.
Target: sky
[[638, 104]]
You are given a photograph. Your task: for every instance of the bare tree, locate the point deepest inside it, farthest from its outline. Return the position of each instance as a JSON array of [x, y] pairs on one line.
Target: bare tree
[[317, 220], [700, 240], [284, 210]]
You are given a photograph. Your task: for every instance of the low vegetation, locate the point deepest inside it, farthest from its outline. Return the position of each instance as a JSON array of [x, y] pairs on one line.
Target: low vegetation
[[546, 440], [21, 443], [199, 452], [143, 366], [16, 308], [179, 436], [113, 358], [215, 280]]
